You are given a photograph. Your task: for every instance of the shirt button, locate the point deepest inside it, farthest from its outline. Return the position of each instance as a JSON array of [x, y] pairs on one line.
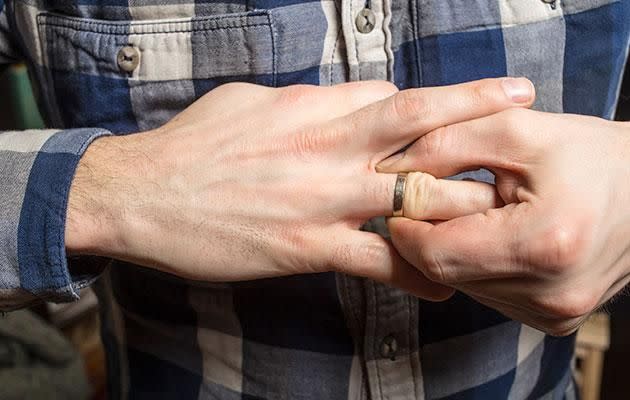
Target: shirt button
[[365, 21], [128, 58], [389, 347]]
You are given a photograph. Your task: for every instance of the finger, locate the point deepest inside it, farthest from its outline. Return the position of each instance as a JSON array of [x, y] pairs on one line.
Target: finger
[[370, 256], [425, 198], [428, 198], [495, 141], [396, 121], [518, 240], [470, 248]]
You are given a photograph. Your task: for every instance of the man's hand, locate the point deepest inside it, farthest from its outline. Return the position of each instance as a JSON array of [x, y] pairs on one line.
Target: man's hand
[[252, 182], [561, 245]]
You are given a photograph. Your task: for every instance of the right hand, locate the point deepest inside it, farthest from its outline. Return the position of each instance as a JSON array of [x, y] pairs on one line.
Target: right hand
[[252, 182]]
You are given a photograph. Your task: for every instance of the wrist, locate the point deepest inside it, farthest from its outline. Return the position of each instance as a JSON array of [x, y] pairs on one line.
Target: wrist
[[96, 202]]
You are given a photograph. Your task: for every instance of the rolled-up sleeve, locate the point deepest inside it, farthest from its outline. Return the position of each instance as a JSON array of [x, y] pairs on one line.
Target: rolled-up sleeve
[[36, 171]]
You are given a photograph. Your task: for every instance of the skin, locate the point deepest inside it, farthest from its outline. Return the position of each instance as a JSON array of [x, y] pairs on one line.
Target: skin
[[560, 247], [252, 182]]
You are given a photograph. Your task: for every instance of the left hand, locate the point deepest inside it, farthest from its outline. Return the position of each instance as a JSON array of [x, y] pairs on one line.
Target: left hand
[[561, 246]]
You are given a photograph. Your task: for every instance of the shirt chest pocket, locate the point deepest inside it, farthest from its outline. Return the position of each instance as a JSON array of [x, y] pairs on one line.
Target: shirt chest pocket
[[135, 75]]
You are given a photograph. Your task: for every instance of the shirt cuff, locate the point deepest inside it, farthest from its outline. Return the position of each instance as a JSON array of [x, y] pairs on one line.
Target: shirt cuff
[[43, 265]]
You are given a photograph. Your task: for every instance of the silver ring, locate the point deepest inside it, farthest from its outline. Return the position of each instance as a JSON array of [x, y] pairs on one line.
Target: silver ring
[[399, 194]]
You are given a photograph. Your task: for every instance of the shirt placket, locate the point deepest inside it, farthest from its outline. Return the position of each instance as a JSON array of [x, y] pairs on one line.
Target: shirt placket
[[386, 319], [365, 25], [391, 344]]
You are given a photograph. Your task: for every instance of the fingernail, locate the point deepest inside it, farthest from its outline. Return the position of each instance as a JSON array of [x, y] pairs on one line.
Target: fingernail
[[389, 162], [520, 90]]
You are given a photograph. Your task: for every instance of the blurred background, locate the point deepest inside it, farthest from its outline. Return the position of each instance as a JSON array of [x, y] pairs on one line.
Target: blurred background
[[54, 351]]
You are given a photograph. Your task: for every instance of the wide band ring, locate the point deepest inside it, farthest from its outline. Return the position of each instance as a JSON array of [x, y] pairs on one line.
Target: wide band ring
[[399, 194]]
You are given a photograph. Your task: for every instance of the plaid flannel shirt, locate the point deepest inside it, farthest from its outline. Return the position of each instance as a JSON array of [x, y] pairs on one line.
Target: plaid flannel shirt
[[323, 336]]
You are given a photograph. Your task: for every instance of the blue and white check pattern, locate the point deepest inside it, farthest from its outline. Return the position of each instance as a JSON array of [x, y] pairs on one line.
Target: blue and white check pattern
[[301, 337]]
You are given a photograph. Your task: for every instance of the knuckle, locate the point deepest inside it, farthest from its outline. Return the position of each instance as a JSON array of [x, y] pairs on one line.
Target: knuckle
[[297, 95], [410, 105], [558, 250], [481, 93], [523, 134], [564, 327], [431, 144], [341, 257], [371, 253], [487, 91], [511, 121], [354, 259], [242, 94], [305, 144], [231, 88], [568, 305], [431, 264], [579, 303], [234, 86]]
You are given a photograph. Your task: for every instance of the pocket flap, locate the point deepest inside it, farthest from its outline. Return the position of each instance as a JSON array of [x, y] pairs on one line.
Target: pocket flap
[[191, 48]]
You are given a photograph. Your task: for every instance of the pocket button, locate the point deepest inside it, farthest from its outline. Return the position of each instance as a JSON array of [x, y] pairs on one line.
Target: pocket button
[[365, 21], [389, 347], [128, 59]]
